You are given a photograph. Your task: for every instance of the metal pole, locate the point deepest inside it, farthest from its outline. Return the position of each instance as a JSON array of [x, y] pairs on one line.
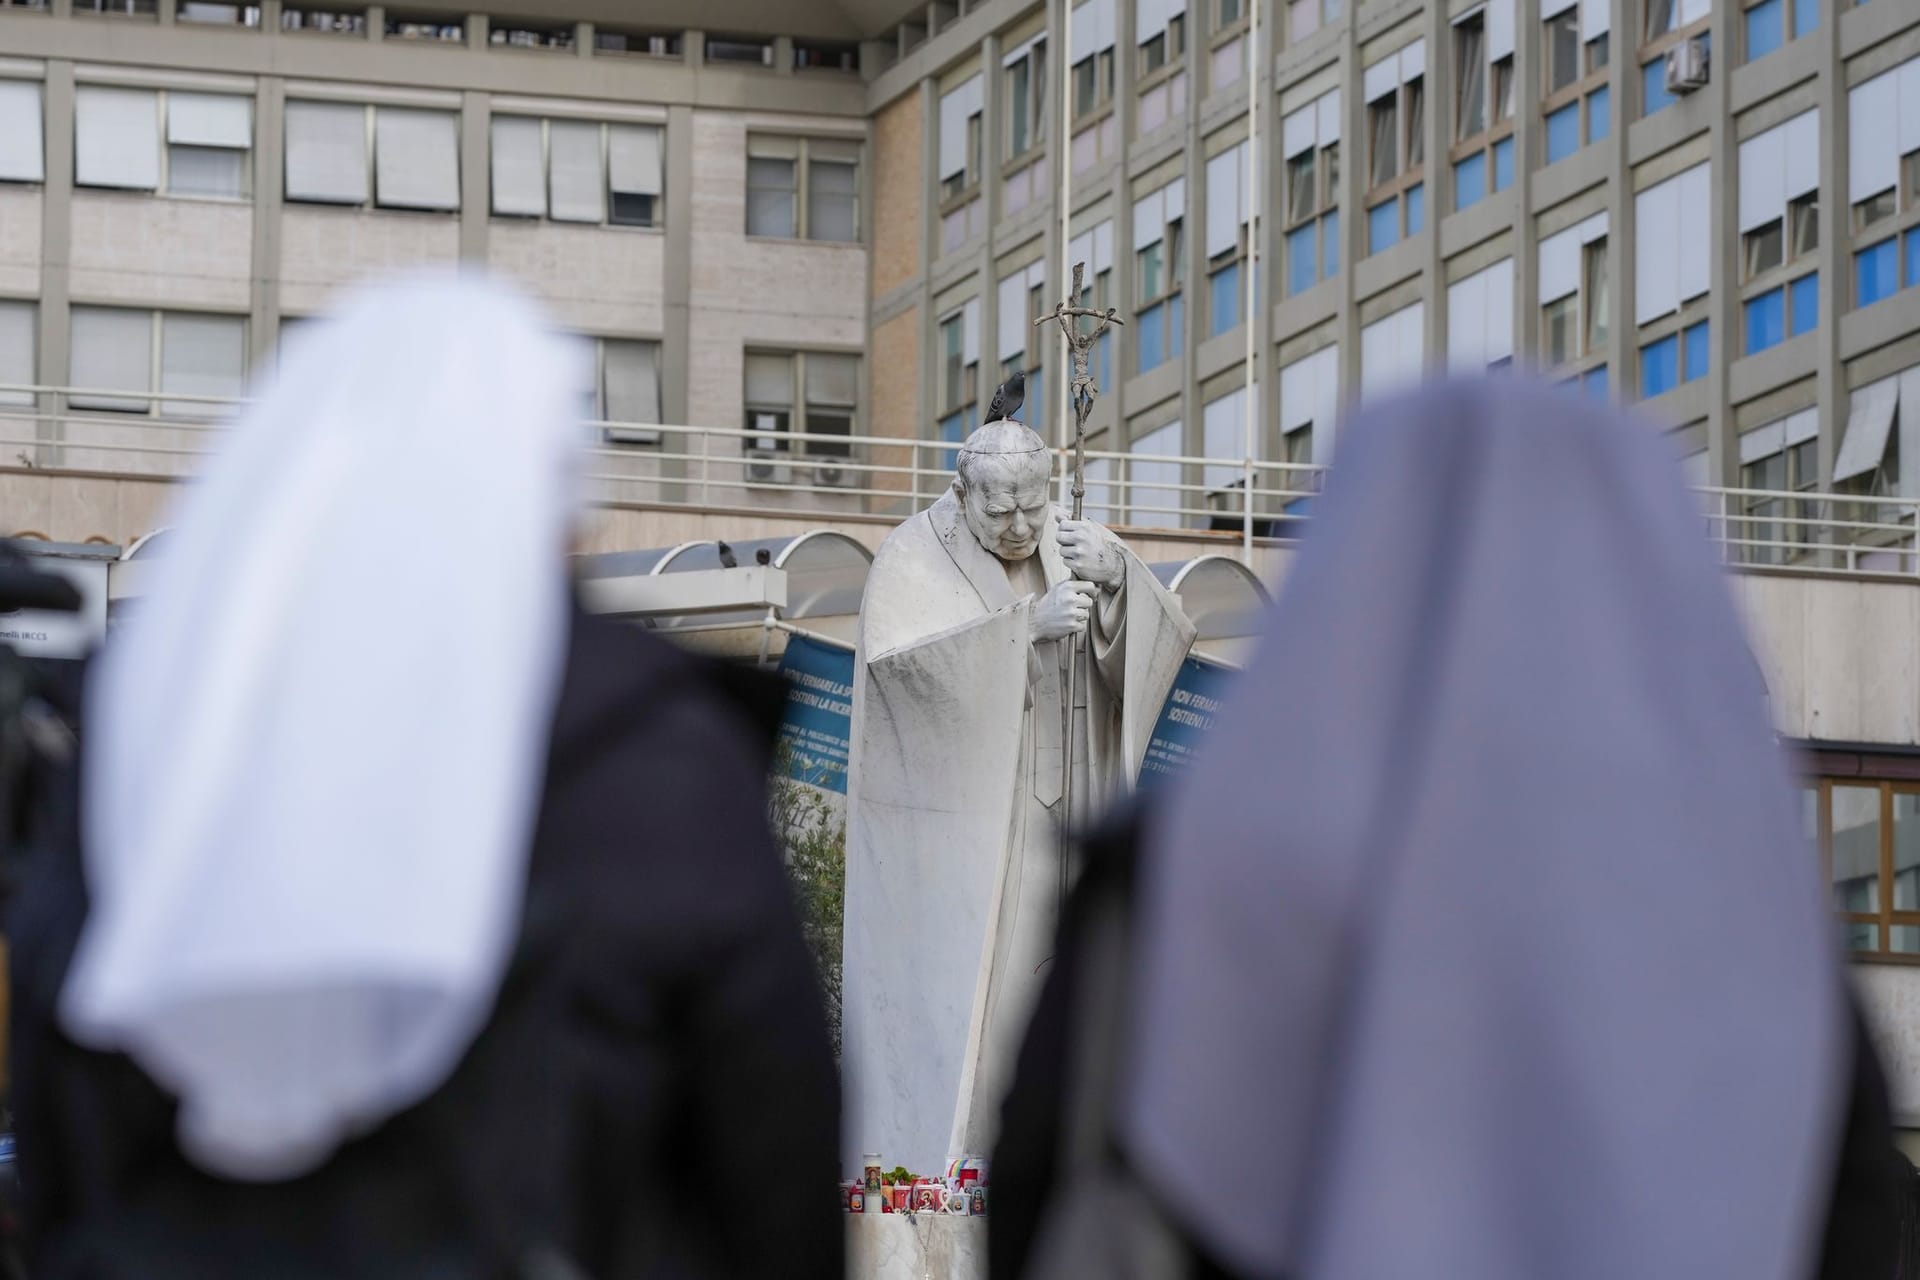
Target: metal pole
[[1061, 152], [1254, 67]]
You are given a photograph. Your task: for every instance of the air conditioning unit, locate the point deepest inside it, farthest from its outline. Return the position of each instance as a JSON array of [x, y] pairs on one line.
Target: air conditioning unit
[[832, 475], [766, 462], [1688, 65]]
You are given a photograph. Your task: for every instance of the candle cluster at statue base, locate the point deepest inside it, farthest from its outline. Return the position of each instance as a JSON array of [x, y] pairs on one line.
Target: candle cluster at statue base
[[962, 1193]]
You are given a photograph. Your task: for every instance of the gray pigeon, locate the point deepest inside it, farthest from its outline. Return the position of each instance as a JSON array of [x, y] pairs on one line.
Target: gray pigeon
[[1007, 398]]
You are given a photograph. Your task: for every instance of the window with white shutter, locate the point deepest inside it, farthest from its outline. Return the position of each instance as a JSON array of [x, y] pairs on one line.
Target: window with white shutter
[[19, 345], [22, 139], [327, 152], [416, 159], [197, 356], [209, 141], [116, 138]]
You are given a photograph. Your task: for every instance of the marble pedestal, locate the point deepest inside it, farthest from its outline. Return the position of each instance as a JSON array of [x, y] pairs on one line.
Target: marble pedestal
[[919, 1246]]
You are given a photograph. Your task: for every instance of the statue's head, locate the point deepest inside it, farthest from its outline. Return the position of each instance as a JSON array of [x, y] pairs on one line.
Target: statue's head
[[1001, 481]]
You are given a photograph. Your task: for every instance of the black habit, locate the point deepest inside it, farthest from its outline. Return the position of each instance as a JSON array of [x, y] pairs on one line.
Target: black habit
[[654, 1096]]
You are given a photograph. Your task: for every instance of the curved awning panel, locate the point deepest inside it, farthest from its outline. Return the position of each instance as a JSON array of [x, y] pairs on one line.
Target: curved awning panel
[[1223, 598]]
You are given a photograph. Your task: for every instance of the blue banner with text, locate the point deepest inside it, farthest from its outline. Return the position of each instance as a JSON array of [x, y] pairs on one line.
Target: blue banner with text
[[816, 731], [1186, 720]]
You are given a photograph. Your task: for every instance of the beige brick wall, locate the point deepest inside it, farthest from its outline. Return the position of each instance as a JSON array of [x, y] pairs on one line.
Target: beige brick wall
[[895, 355], [602, 280], [755, 292], [20, 242], [323, 249], [134, 249], [898, 204]]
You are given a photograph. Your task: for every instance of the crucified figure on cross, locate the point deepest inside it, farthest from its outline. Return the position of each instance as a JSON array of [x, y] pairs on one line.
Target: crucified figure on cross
[[1082, 391]]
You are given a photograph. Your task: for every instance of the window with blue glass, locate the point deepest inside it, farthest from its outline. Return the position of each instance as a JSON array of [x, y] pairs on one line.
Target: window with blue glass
[[1694, 351], [1593, 383], [1224, 311], [1396, 148], [1469, 180], [1653, 88], [1563, 132], [1886, 225], [1226, 239], [1158, 274], [1766, 318], [1483, 114], [1575, 104], [1383, 226], [959, 372], [1766, 25], [1682, 357], [1779, 213], [1876, 272], [1033, 413], [1769, 24], [1312, 222], [1660, 365]]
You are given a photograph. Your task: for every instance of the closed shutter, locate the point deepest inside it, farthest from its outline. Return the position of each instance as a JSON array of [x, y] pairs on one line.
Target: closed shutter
[[22, 152], [416, 159], [578, 190], [519, 168], [210, 120], [116, 138], [632, 376], [634, 160], [770, 381], [201, 356], [327, 152], [18, 330], [112, 351]]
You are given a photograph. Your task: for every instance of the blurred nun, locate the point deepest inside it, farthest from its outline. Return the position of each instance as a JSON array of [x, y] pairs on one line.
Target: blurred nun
[[428, 926], [1482, 941]]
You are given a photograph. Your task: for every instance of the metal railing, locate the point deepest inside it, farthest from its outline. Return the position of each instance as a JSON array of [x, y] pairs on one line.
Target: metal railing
[[162, 436]]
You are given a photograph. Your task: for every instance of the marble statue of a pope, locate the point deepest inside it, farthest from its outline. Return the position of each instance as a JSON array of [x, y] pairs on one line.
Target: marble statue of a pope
[[956, 781]]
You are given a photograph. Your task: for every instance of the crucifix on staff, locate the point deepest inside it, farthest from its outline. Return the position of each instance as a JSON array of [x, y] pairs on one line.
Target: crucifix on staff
[[1081, 389], [1082, 392]]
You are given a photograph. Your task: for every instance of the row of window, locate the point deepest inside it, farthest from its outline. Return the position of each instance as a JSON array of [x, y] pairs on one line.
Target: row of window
[[1779, 222], [502, 33], [1575, 105], [342, 153], [1777, 459], [190, 364]]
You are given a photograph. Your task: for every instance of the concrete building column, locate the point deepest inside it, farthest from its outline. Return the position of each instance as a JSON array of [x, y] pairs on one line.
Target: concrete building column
[[1835, 122], [1723, 281], [990, 137], [476, 204], [56, 246], [929, 251], [1623, 100], [677, 269], [269, 174], [1437, 32]]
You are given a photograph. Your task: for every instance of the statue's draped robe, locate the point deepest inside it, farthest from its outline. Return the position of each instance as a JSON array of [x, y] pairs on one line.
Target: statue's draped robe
[[954, 810]]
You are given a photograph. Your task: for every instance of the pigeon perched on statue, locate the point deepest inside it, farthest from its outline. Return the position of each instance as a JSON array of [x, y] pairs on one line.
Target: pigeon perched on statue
[[1007, 398]]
